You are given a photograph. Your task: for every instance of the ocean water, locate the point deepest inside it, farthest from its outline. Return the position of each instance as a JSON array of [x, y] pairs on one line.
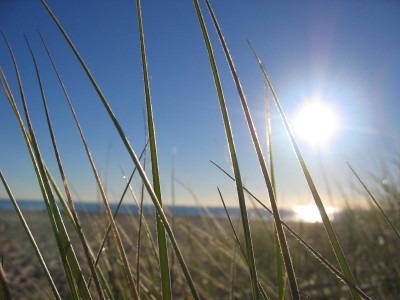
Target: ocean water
[[148, 209]]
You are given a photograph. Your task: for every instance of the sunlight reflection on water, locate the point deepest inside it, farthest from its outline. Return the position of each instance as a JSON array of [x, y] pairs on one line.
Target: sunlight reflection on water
[[310, 213]]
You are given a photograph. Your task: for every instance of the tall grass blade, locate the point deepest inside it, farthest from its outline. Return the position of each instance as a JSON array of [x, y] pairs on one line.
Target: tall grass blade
[[67, 211], [162, 242], [64, 179], [71, 266], [235, 164], [279, 258], [325, 219], [52, 182], [263, 293], [141, 218], [31, 238], [69, 208], [317, 255], [280, 233], [120, 246], [374, 200], [131, 153]]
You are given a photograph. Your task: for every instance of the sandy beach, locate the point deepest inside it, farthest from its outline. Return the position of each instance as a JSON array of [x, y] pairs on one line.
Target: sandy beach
[[210, 250]]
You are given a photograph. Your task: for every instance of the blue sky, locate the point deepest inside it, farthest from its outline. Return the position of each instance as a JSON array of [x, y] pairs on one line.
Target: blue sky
[[345, 52]]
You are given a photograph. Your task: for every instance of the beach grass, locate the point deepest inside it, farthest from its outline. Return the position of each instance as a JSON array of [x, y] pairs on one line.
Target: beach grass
[[218, 257]]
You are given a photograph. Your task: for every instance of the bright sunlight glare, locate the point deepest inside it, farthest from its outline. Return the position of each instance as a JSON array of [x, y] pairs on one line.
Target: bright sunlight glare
[[316, 123], [310, 213]]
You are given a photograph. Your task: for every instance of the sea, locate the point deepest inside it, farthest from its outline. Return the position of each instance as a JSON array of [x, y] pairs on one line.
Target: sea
[[148, 209]]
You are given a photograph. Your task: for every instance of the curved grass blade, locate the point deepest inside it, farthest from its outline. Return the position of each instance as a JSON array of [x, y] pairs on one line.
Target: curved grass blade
[[132, 154], [231, 145], [162, 242], [31, 238], [325, 219], [318, 256], [374, 200], [75, 216], [4, 288], [71, 266], [278, 223]]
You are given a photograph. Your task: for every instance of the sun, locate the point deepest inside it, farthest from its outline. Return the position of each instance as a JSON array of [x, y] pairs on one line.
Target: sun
[[316, 122]]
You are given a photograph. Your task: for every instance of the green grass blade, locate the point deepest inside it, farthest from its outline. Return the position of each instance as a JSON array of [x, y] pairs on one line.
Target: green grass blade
[[141, 219], [71, 266], [263, 293], [235, 164], [132, 155], [75, 216], [131, 282], [27, 139], [30, 236], [280, 232], [279, 258], [107, 289], [374, 200], [105, 201], [162, 242], [325, 219], [56, 190]]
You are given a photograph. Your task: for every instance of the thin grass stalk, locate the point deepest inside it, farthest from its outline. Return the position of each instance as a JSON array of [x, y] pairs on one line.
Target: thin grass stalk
[[72, 268], [127, 270], [173, 213], [162, 242], [325, 219], [100, 251], [316, 254], [31, 237], [4, 288], [67, 211], [132, 154], [75, 216], [235, 164], [238, 243], [145, 223], [67, 269], [28, 143], [209, 217], [284, 249], [139, 240], [141, 215], [279, 258], [233, 273], [105, 285], [57, 192], [105, 201], [374, 200]]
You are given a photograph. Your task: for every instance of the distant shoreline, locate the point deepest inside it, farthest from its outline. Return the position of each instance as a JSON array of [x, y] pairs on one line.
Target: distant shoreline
[[148, 209], [179, 210]]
